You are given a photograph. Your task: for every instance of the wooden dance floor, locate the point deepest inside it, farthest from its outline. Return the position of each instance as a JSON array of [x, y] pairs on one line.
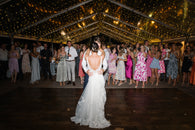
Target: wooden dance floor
[[24, 107]]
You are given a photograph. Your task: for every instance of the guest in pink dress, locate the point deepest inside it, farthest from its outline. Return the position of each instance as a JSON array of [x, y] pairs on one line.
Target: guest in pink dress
[[13, 63], [140, 68], [112, 65], [129, 65], [81, 72]]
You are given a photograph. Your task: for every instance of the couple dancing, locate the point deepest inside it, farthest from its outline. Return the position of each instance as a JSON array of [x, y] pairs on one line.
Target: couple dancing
[[90, 107]]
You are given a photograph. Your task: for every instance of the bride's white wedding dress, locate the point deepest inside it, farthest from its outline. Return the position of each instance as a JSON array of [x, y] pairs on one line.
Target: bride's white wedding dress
[[90, 107]]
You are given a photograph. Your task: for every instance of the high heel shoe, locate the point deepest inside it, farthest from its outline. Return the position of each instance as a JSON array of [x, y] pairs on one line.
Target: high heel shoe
[[112, 82], [116, 82], [120, 84]]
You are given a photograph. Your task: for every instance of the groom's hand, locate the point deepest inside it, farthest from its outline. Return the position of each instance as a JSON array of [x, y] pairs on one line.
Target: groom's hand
[[89, 73]]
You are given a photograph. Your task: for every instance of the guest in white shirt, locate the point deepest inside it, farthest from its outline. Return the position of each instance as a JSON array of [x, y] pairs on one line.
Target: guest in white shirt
[[71, 54], [3, 61]]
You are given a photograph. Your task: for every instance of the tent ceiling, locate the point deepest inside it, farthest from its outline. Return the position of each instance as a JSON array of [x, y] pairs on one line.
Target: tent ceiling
[[127, 20]]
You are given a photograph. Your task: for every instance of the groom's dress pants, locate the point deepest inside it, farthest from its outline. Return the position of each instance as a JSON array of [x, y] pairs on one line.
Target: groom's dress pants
[[85, 80]]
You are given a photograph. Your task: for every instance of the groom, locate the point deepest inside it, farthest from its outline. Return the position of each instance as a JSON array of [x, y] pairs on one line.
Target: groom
[[84, 62]]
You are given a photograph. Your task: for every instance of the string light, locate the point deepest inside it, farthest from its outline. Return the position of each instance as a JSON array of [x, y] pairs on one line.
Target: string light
[[93, 17], [79, 25], [91, 11], [107, 10], [83, 23], [21, 14], [63, 33], [150, 15]]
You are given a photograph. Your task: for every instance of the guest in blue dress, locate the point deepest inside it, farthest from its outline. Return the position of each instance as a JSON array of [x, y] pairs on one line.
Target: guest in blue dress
[[155, 66]]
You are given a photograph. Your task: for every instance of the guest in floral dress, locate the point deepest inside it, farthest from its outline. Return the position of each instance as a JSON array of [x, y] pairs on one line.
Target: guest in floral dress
[[112, 65], [172, 68], [140, 68], [129, 65], [149, 61], [26, 68], [13, 63], [135, 51], [81, 72], [120, 69]]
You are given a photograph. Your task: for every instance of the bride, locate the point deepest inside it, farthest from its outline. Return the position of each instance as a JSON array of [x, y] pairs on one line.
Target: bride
[[90, 107]]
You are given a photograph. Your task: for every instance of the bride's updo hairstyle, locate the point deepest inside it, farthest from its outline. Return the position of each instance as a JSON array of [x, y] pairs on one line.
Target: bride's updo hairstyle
[[94, 47]]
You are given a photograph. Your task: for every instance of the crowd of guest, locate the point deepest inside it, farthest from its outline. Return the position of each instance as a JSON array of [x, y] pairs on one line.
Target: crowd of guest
[[127, 63]]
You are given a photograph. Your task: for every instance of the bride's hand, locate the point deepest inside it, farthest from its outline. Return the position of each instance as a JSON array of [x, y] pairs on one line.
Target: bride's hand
[[89, 73]]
